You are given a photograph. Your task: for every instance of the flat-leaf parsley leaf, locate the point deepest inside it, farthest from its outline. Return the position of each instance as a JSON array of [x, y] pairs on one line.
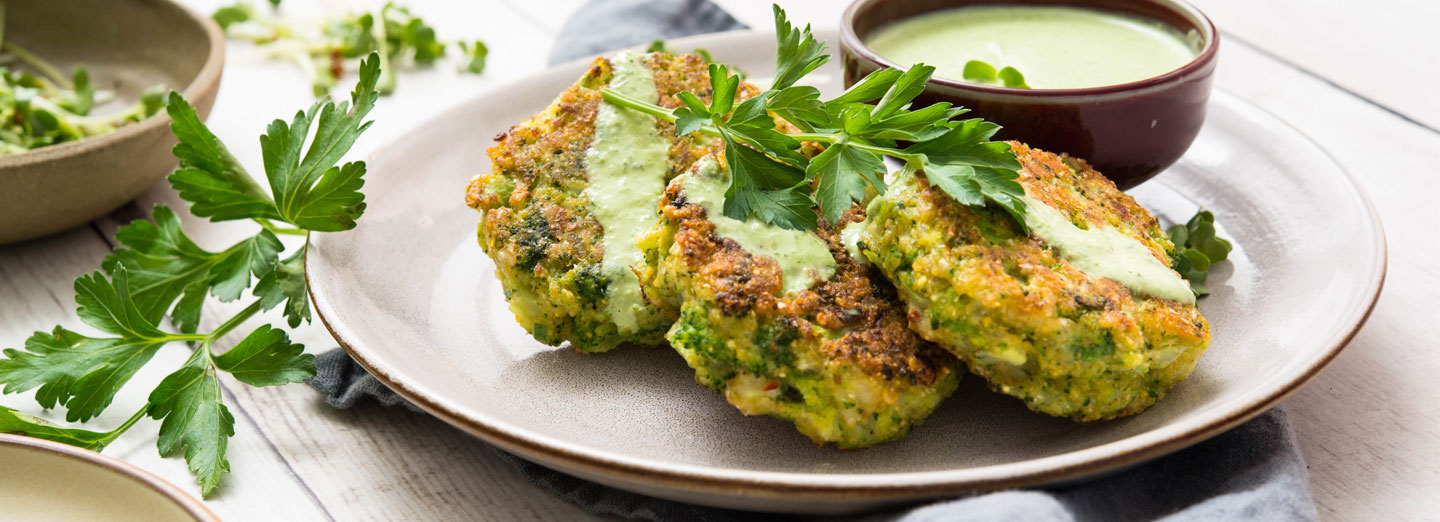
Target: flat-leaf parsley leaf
[[771, 180], [158, 269]]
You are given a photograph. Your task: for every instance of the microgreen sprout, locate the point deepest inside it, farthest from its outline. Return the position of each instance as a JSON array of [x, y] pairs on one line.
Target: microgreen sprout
[[1197, 249]]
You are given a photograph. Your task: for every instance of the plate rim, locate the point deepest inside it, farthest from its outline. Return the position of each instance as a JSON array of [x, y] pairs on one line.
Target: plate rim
[[872, 487]]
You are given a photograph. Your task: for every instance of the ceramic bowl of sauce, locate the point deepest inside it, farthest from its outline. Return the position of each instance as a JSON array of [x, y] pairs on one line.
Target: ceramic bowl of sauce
[[1120, 83]]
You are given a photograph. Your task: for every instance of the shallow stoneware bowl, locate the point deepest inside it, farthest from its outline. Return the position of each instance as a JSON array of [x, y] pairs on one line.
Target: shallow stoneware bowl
[[412, 297], [128, 46], [43, 481], [1130, 131]]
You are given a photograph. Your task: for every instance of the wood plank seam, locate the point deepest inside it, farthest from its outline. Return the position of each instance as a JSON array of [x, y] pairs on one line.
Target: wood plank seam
[[95, 227], [270, 443], [1266, 53]]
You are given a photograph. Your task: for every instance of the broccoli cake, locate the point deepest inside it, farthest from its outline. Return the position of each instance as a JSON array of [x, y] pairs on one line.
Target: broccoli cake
[[1082, 318], [787, 323], [571, 189]]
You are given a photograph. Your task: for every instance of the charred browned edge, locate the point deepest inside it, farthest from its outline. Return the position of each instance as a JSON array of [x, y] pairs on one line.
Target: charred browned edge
[[677, 74]]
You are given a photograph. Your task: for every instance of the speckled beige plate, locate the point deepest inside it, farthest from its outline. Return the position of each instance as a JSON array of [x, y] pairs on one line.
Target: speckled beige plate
[[413, 298], [43, 481]]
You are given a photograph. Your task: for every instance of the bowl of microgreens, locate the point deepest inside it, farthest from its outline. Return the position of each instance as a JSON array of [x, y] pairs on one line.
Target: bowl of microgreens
[[82, 93], [1121, 83]]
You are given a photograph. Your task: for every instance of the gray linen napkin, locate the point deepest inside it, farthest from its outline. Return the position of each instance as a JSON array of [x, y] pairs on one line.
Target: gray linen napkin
[[1253, 472]]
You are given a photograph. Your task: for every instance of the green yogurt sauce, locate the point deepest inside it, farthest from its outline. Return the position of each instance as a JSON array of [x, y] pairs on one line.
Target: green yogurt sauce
[[804, 258], [1054, 47], [627, 163], [1107, 253]]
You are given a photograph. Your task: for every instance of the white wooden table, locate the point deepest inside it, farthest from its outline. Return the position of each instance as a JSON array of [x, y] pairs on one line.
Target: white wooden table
[[1361, 80]]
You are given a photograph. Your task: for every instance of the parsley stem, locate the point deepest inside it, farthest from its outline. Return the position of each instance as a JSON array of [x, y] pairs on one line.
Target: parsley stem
[[647, 108], [859, 144], [230, 324], [182, 337], [267, 225], [665, 114], [111, 435], [815, 137], [917, 159]]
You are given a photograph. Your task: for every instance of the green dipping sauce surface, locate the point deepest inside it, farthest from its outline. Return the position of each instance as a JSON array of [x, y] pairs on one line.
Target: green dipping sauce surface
[[1054, 47]]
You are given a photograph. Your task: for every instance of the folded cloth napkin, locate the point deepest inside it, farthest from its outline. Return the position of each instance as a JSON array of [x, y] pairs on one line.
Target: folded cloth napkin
[[1253, 472]]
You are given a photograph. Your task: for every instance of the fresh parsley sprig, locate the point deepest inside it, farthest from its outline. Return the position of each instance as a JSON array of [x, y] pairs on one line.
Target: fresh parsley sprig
[[1197, 249], [160, 271], [772, 181]]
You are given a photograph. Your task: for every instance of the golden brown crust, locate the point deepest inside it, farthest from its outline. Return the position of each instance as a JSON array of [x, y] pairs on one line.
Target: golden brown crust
[[1029, 321], [837, 359], [1020, 273], [857, 301]]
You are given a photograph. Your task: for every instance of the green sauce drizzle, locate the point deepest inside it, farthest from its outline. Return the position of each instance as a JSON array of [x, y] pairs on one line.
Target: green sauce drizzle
[[627, 165], [804, 258], [1106, 253]]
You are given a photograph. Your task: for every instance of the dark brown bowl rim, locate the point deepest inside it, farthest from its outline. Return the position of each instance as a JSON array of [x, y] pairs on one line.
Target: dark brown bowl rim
[[205, 78], [851, 42], [192, 506]]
